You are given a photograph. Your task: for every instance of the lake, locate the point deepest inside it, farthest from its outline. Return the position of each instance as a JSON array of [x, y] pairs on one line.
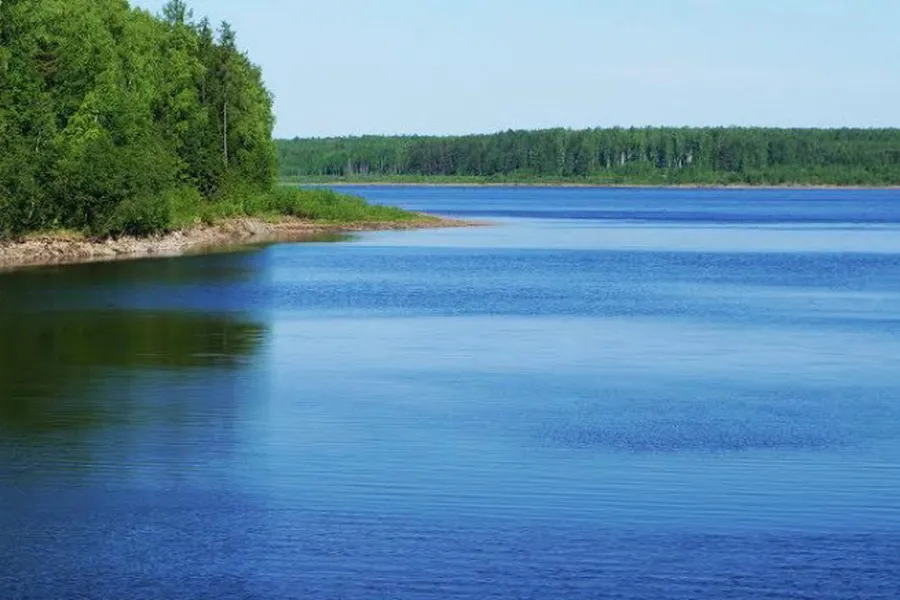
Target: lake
[[607, 393]]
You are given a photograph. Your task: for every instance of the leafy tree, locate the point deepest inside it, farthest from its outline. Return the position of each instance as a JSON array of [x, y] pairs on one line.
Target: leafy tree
[[106, 111]]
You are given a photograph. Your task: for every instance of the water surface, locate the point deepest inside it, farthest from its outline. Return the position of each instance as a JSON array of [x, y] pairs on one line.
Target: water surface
[[608, 393]]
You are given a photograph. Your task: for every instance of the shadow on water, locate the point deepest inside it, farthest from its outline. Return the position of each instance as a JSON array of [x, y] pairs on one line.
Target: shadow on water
[[227, 266], [75, 350], [51, 363]]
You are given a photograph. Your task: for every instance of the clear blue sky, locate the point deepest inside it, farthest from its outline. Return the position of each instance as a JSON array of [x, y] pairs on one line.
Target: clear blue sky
[[342, 67]]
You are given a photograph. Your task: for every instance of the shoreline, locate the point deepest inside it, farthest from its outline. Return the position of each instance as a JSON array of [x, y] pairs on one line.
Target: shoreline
[[61, 248], [572, 184]]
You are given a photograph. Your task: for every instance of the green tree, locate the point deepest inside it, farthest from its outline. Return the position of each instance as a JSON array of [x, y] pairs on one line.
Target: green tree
[[106, 111]]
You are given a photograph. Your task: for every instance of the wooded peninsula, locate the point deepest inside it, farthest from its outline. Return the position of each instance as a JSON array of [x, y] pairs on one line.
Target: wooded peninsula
[[115, 121], [645, 156]]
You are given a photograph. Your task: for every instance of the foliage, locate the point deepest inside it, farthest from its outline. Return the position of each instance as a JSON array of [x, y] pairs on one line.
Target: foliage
[[327, 205], [109, 115], [312, 204], [707, 156]]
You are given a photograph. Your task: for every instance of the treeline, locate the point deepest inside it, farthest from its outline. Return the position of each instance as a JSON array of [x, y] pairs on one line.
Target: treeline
[[753, 156], [111, 118]]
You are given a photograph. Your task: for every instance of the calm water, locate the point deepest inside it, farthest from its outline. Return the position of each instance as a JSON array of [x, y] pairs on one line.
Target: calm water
[[609, 394]]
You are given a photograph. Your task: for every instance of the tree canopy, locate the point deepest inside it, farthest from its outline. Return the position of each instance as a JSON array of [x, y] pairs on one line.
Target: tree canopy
[[635, 155], [107, 112]]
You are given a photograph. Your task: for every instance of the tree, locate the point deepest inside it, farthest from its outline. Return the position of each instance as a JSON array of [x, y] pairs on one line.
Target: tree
[[176, 13], [227, 51], [106, 110]]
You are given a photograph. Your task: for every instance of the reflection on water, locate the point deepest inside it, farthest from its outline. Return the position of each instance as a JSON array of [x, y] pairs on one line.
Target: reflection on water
[[51, 363]]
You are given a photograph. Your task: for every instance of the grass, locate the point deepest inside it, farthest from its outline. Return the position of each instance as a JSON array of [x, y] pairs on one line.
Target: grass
[[322, 205], [473, 180], [637, 179], [187, 207], [414, 179], [57, 234]]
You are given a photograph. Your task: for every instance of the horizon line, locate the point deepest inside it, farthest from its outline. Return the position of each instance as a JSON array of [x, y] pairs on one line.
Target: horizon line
[[583, 129]]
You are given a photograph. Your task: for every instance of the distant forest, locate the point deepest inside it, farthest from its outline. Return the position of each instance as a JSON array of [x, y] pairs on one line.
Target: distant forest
[[707, 156]]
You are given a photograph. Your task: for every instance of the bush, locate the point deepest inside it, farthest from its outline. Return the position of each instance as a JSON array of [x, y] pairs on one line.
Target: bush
[[185, 206], [315, 205], [328, 205], [7, 219], [139, 217]]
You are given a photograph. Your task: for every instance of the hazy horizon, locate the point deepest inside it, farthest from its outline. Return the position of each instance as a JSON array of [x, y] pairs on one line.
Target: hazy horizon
[[351, 68]]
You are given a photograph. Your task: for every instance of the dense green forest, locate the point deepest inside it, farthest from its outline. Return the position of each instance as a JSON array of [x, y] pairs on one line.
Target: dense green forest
[[753, 156], [114, 120]]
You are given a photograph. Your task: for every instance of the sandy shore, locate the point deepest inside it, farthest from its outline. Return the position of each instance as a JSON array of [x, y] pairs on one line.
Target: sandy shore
[[55, 249]]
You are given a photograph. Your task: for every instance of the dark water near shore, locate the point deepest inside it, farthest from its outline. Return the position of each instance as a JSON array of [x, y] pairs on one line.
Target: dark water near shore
[[610, 394]]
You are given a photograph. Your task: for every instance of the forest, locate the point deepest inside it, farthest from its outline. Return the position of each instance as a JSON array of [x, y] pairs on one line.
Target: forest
[[653, 155], [117, 121]]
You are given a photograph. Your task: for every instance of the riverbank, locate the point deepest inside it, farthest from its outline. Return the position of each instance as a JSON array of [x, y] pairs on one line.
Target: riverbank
[[467, 183], [42, 249]]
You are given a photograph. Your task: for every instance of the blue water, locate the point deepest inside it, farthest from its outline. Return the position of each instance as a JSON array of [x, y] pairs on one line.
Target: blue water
[[602, 394]]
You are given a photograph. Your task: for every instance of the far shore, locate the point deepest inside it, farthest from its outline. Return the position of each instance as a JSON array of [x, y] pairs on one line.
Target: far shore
[[574, 184], [59, 248]]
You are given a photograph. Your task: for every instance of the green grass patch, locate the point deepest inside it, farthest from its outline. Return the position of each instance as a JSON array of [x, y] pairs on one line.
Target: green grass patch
[[635, 178], [185, 207], [319, 205]]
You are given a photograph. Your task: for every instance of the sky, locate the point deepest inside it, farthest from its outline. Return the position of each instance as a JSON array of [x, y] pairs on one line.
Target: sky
[[353, 67]]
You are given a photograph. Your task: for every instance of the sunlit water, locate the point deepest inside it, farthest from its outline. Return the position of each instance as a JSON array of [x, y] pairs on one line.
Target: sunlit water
[[607, 394]]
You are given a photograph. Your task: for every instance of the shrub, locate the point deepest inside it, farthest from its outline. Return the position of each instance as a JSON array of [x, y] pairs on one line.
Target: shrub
[[328, 205], [138, 216]]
